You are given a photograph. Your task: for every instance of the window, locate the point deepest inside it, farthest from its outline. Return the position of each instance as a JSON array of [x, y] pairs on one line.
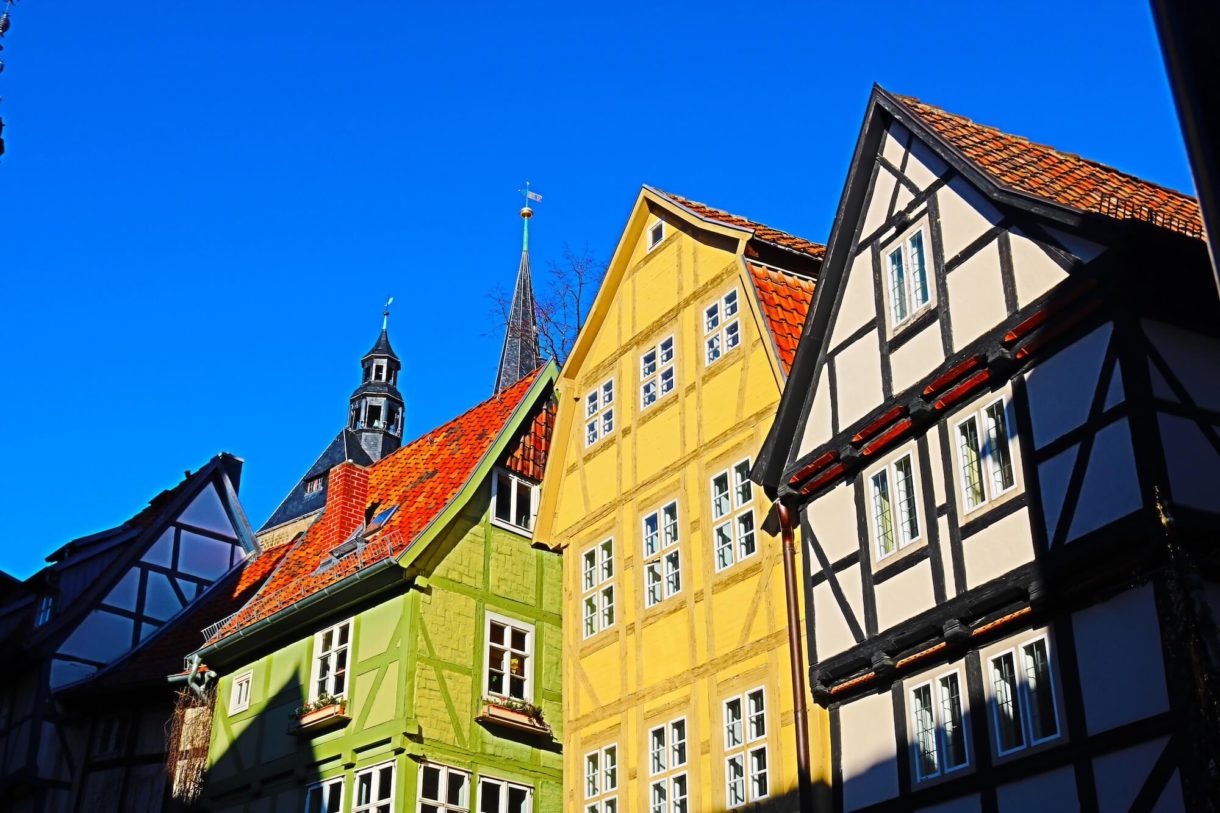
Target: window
[[46, 606], [313, 485], [330, 659], [497, 796], [375, 789], [662, 558], [745, 748], [239, 693], [667, 789], [110, 736], [597, 583], [601, 780], [510, 656], [325, 797], [733, 515], [599, 413], [515, 501], [895, 511], [721, 330], [656, 233], [1023, 697], [937, 727], [657, 372], [443, 789], [984, 451], [908, 278]]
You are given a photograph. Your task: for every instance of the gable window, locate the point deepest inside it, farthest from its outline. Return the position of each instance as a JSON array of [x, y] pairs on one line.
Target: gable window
[[657, 372], [515, 501], [239, 693], [443, 789], [721, 330], [894, 507], [498, 796], [599, 412], [601, 780], [325, 797], [662, 557], [313, 485], [745, 748], [510, 657], [984, 452], [1023, 696], [937, 726], [330, 647], [667, 790], [733, 515], [375, 789], [656, 233], [46, 607], [906, 267], [597, 584]]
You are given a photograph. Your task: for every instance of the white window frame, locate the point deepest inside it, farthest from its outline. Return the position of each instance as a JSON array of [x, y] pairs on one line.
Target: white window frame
[[902, 537], [656, 234], [910, 302], [601, 783], [720, 326], [738, 513], [989, 470], [597, 588], [669, 773], [599, 412], [497, 474], [504, 786], [666, 551], [372, 806], [443, 787], [322, 787], [238, 703], [1016, 650], [331, 654], [663, 376], [314, 484], [748, 744], [529, 652], [936, 693], [45, 610]]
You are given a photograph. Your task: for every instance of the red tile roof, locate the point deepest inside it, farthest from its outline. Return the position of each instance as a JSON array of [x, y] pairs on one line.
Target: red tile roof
[[421, 479], [1060, 177], [527, 456], [785, 300], [764, 233]]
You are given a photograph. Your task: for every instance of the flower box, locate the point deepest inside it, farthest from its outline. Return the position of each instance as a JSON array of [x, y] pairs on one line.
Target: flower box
[[520, 719], [324, 718]]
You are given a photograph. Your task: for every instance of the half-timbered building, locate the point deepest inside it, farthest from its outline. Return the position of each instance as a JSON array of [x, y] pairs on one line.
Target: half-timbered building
[[1000, 437]]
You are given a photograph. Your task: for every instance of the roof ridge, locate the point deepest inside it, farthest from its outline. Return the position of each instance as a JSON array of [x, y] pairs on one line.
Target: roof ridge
[[747, 222]]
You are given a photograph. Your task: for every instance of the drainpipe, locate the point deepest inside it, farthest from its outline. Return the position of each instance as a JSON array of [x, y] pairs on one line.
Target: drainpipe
[[796, 655]]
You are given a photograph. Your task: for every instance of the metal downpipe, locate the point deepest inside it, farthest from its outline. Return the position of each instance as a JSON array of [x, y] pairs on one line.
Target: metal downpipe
[[796, 655]]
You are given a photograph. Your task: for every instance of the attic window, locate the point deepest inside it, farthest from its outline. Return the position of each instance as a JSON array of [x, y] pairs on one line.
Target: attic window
[[656, 234], [379, 519], [514, 501], [46, 606], [313, 485]]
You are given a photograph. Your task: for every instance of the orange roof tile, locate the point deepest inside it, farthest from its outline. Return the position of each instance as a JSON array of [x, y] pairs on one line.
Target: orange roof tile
[[421, 479], [527, 456], [764, 233], [785, 300], [1060, 177]]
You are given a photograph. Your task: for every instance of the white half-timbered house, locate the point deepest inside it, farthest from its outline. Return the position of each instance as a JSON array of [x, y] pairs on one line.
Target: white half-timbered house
[[1001, 437]]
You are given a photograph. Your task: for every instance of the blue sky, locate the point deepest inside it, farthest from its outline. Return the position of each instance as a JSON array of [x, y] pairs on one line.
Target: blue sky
[[206, 204]]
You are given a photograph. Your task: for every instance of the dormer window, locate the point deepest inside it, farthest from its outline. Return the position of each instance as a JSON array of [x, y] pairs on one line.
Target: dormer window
[[46, 607], [656, 233], [313, 485], [514, 502], [907, 272]]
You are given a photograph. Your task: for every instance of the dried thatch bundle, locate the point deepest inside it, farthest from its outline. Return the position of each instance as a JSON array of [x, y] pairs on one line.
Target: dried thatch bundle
[[190, 730]]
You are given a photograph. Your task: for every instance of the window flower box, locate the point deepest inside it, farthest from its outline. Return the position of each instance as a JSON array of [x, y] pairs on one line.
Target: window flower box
[[323, 714], [515, 714]]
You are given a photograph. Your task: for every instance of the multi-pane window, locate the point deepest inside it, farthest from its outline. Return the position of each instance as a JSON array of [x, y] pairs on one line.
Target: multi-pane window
[[937, 726], [984, 455], [656, 372], [443, 789], [46, 606], [313, 485], [745, 748], [1023, 696], [375, 789], [601, 780], [656, 233], [498, 796], [239, 694], [514, 500], [597, 585], [662, 557], [908, 278], [325, 797], [733, 515], [330, 648], [894, 508], [667, 787], [721, 330], [510, 657], [599, 412]]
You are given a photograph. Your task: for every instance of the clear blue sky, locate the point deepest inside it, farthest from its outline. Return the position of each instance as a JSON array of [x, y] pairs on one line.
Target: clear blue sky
[[204, 205]]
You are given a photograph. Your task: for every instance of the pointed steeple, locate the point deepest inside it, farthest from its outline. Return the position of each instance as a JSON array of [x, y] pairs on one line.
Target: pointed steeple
[[376, 407], [520, 355]]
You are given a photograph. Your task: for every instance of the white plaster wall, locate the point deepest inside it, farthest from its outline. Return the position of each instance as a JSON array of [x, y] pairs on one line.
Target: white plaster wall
[[831, 632], [1193, 359], [921, 354], [1120, 775], [1082, 249], [870, 767], [879, 202], [207, 512], [1053, 476], [998, 548], [938, 472], [891, 143], [1111, 488], [859, 384], [818, 426], [1050, 792], [904, 596], [964, 215], [1061, 387], [101, 636], [924, 166], [1194, 466], [857, 306], [976, 296], [1034, 271], [833, 517]]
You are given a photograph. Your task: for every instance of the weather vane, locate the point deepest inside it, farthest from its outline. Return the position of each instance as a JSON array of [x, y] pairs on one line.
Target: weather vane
[[527, 213], [385, 317]]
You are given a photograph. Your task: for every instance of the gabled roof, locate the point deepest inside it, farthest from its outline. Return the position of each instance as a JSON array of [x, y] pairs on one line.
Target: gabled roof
[[422, 479], [297, 504], [763, 233], [785, 300]]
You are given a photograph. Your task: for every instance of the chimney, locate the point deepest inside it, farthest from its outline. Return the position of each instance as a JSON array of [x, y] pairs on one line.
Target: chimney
[[347, 492]]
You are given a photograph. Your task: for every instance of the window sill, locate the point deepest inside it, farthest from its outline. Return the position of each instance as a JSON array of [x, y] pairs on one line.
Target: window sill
[[321, 720], [494, 714]]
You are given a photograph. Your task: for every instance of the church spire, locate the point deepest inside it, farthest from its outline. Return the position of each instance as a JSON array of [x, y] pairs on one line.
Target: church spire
[[376, 407], [520, 355]]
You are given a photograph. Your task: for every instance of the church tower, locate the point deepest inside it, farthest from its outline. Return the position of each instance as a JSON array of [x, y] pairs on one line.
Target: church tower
[[520, 355], [376, 413]]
